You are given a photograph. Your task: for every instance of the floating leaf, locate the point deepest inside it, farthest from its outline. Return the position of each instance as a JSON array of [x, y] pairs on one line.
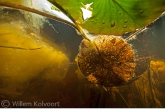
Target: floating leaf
[[112, 16]]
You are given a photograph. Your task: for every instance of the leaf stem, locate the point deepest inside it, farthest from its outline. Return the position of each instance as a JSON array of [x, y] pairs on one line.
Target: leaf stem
[[37, 12], [83, 34]]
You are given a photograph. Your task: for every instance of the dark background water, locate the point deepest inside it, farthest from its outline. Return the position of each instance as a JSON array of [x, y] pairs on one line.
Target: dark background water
[[63, 35]]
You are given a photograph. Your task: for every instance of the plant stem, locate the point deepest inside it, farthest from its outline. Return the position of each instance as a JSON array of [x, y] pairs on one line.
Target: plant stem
[[43, 14]]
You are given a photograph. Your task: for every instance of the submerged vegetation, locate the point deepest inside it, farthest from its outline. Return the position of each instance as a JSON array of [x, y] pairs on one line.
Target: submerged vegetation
[[24, 54]]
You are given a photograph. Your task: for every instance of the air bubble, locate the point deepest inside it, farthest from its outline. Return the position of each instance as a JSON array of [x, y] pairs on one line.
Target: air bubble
[[125, 21], [141, 11], [125, 26], [137, 29], [113, 23], [100, 27], [103, 22]]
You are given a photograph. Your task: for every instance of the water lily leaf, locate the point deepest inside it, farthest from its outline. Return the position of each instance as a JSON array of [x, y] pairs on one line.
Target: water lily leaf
[[113, 17]]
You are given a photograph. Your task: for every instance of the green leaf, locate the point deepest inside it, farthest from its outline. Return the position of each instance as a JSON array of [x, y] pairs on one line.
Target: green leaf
[[113, 17]]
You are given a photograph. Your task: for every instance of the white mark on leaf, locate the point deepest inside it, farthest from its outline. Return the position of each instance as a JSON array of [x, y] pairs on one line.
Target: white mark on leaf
[[87, 13]]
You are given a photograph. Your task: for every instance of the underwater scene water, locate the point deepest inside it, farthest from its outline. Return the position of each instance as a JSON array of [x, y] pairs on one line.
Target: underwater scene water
[[38, 66]]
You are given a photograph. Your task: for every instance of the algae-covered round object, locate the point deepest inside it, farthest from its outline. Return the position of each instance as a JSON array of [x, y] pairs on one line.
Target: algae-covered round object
[[107, 60]]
